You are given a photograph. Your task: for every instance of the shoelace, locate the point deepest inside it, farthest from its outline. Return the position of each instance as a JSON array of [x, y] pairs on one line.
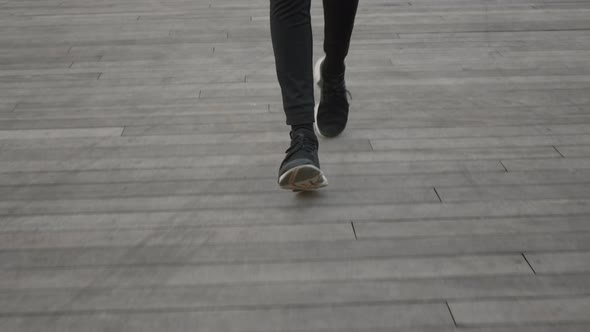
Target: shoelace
[[335, 87], [301, 142]]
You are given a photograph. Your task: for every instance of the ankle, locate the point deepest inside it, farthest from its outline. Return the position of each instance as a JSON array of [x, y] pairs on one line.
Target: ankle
[[333, 68], [308, 127]]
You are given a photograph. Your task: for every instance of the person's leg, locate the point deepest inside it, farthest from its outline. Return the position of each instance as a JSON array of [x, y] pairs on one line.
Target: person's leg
[[332, 111], [290, 24], [339, 18]]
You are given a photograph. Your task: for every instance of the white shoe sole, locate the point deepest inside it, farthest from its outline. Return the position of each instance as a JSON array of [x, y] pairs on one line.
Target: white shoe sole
[[303, 178], [317, 76]]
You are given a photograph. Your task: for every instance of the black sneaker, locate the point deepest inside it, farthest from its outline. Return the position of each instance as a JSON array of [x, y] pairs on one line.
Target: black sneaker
[[331, 113], [300, 171]]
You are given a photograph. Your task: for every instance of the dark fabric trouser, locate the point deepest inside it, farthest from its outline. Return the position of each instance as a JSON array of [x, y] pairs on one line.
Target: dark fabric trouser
[[290, 24]]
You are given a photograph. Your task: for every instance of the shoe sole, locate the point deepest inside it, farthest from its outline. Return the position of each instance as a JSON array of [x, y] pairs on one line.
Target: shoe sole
[[317, 76], [303, 178]]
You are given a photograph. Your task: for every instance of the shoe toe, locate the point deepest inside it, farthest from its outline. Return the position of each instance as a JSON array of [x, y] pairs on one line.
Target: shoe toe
[[331, 130]]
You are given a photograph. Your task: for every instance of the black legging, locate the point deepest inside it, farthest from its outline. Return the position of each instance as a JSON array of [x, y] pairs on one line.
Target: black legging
[[290, 24]]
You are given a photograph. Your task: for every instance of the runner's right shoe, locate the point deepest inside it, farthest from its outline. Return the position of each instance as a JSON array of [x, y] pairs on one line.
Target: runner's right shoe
[[300, 171]]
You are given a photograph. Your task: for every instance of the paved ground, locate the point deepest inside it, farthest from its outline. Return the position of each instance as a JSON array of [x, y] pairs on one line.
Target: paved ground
[[140, 140]]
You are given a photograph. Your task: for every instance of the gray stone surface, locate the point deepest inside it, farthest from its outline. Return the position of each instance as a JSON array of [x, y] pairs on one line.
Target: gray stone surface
[[569, 164], [366, 269], [140, 141], [402, 229], [302, 319], [200, 253], [577, 151], [58, 133], [135, 183], [521, 311], [180, 236], [514, 192], [287, 294], [567, 262]]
